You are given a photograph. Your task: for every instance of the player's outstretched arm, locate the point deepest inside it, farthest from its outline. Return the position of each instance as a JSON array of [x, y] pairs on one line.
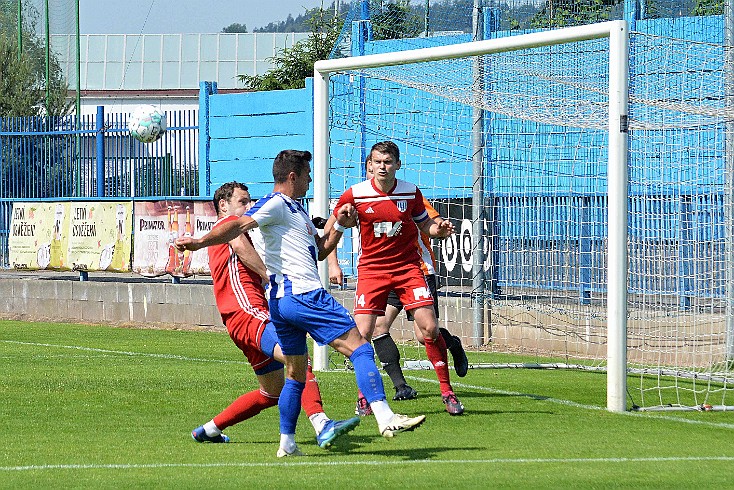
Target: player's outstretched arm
[[437, 229], [223, 233], [347, 217]]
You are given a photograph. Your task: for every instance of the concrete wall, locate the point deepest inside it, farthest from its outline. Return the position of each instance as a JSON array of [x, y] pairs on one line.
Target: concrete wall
[[108, 299], [129, 299]]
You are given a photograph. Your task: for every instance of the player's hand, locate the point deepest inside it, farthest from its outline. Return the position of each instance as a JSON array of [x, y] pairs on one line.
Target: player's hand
[[336, 275], [347, 215], [186, 243], [445, 228]]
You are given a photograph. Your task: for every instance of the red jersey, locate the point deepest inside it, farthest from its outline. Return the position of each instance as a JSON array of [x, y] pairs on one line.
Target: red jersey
[[235, 286], [387, 225], [424, 244]]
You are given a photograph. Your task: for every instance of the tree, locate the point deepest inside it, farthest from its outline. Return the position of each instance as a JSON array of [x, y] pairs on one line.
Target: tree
[[20, 92], [563, 13], [235, 28], [709, 7], [394, 21], [293, 65], [25, 89]]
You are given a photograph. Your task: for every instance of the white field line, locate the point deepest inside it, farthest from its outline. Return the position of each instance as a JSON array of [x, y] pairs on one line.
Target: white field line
[[124, 353], [486, 389], [356, 462]]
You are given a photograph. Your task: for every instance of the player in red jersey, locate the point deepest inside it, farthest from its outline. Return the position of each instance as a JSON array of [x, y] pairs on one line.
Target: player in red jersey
[[391, 213], [238, 274], [385, 346]]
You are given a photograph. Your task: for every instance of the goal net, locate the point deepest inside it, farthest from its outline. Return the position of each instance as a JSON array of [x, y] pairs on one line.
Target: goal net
[[605, 236]]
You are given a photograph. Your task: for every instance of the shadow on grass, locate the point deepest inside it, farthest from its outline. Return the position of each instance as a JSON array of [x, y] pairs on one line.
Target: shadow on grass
[[363, 445]]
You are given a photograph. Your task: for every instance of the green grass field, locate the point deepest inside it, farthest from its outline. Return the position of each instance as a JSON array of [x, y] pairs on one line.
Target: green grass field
[[104, 407]]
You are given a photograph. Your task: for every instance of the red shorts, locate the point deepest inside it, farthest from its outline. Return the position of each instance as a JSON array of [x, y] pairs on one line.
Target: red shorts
[[373, 289], [246, 331]]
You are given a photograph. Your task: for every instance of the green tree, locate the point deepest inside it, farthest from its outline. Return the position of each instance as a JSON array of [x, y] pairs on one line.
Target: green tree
[[293, 65], [562, 13], [709, 7], [235, 28], [20, 92], [394, 20], [26, 91]]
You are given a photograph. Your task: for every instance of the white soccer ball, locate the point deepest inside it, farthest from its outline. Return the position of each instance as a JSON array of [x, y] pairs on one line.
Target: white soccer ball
[[147, 123]]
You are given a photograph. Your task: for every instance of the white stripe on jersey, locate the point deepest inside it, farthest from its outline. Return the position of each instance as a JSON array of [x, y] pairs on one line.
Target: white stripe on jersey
[[239, 290], [391, 197], [290, 250]]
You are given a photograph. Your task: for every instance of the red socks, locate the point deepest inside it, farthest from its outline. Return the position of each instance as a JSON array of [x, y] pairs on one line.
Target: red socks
[[436, 352], [244, 407], [311, 397]]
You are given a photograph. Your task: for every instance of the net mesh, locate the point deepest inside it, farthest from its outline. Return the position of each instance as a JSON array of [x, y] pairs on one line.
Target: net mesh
[[545, 200]]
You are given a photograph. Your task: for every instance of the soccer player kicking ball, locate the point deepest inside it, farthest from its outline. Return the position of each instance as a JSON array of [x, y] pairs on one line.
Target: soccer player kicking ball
[[390, 215], [299, 304], [238, 273]]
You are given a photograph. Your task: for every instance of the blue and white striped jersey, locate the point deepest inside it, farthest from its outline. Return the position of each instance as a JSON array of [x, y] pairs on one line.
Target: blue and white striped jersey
[[290, 252]]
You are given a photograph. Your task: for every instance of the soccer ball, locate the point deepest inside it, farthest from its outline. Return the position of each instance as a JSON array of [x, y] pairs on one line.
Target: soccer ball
[[147, 123]]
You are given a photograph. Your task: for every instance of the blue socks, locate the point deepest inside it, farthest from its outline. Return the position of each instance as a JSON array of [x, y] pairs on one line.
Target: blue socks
[[368, 377], [289, 405]]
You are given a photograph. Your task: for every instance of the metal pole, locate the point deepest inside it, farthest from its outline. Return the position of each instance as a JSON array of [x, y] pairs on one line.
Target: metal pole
[[20, 28], [321, 182], [99, 137], [729, 187], [48, 57], [478, 215], [617, 219], [78, 109], [78, 65], [427, 18]]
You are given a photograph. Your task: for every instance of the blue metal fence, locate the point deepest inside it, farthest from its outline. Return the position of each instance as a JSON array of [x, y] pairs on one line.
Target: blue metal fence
[[49, 158]]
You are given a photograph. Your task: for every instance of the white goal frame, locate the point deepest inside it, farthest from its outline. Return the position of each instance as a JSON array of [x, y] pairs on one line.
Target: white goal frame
[[617, 183]]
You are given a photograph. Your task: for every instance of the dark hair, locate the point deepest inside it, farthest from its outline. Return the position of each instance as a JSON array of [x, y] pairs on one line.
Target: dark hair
[[386, 147], [225, 192], [289, 161]]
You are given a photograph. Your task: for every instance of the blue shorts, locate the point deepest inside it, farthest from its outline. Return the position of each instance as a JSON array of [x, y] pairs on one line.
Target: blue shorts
[[316, 313], [267, 346]]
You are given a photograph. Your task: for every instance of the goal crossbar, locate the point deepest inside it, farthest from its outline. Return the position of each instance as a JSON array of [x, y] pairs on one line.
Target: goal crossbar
[[617, 183]]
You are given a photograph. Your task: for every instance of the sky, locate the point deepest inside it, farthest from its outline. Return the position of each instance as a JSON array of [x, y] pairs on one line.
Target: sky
[[184, 16]]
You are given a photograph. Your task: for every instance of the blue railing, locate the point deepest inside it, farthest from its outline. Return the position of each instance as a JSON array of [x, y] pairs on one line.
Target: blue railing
[[53, 158]]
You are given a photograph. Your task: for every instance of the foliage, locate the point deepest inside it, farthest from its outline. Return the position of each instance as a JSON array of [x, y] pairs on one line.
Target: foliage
[[394, 20], [25, 88], [294, 64], [235, 28], [563, 13], [709, 7], [19, 92]]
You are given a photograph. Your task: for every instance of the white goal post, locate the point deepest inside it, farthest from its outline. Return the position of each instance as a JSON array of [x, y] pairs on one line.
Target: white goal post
[[617, 180]]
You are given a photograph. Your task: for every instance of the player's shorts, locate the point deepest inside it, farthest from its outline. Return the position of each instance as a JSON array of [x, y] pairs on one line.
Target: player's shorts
[[255, 338], [373, 289], [316, 313], [392, 298]]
